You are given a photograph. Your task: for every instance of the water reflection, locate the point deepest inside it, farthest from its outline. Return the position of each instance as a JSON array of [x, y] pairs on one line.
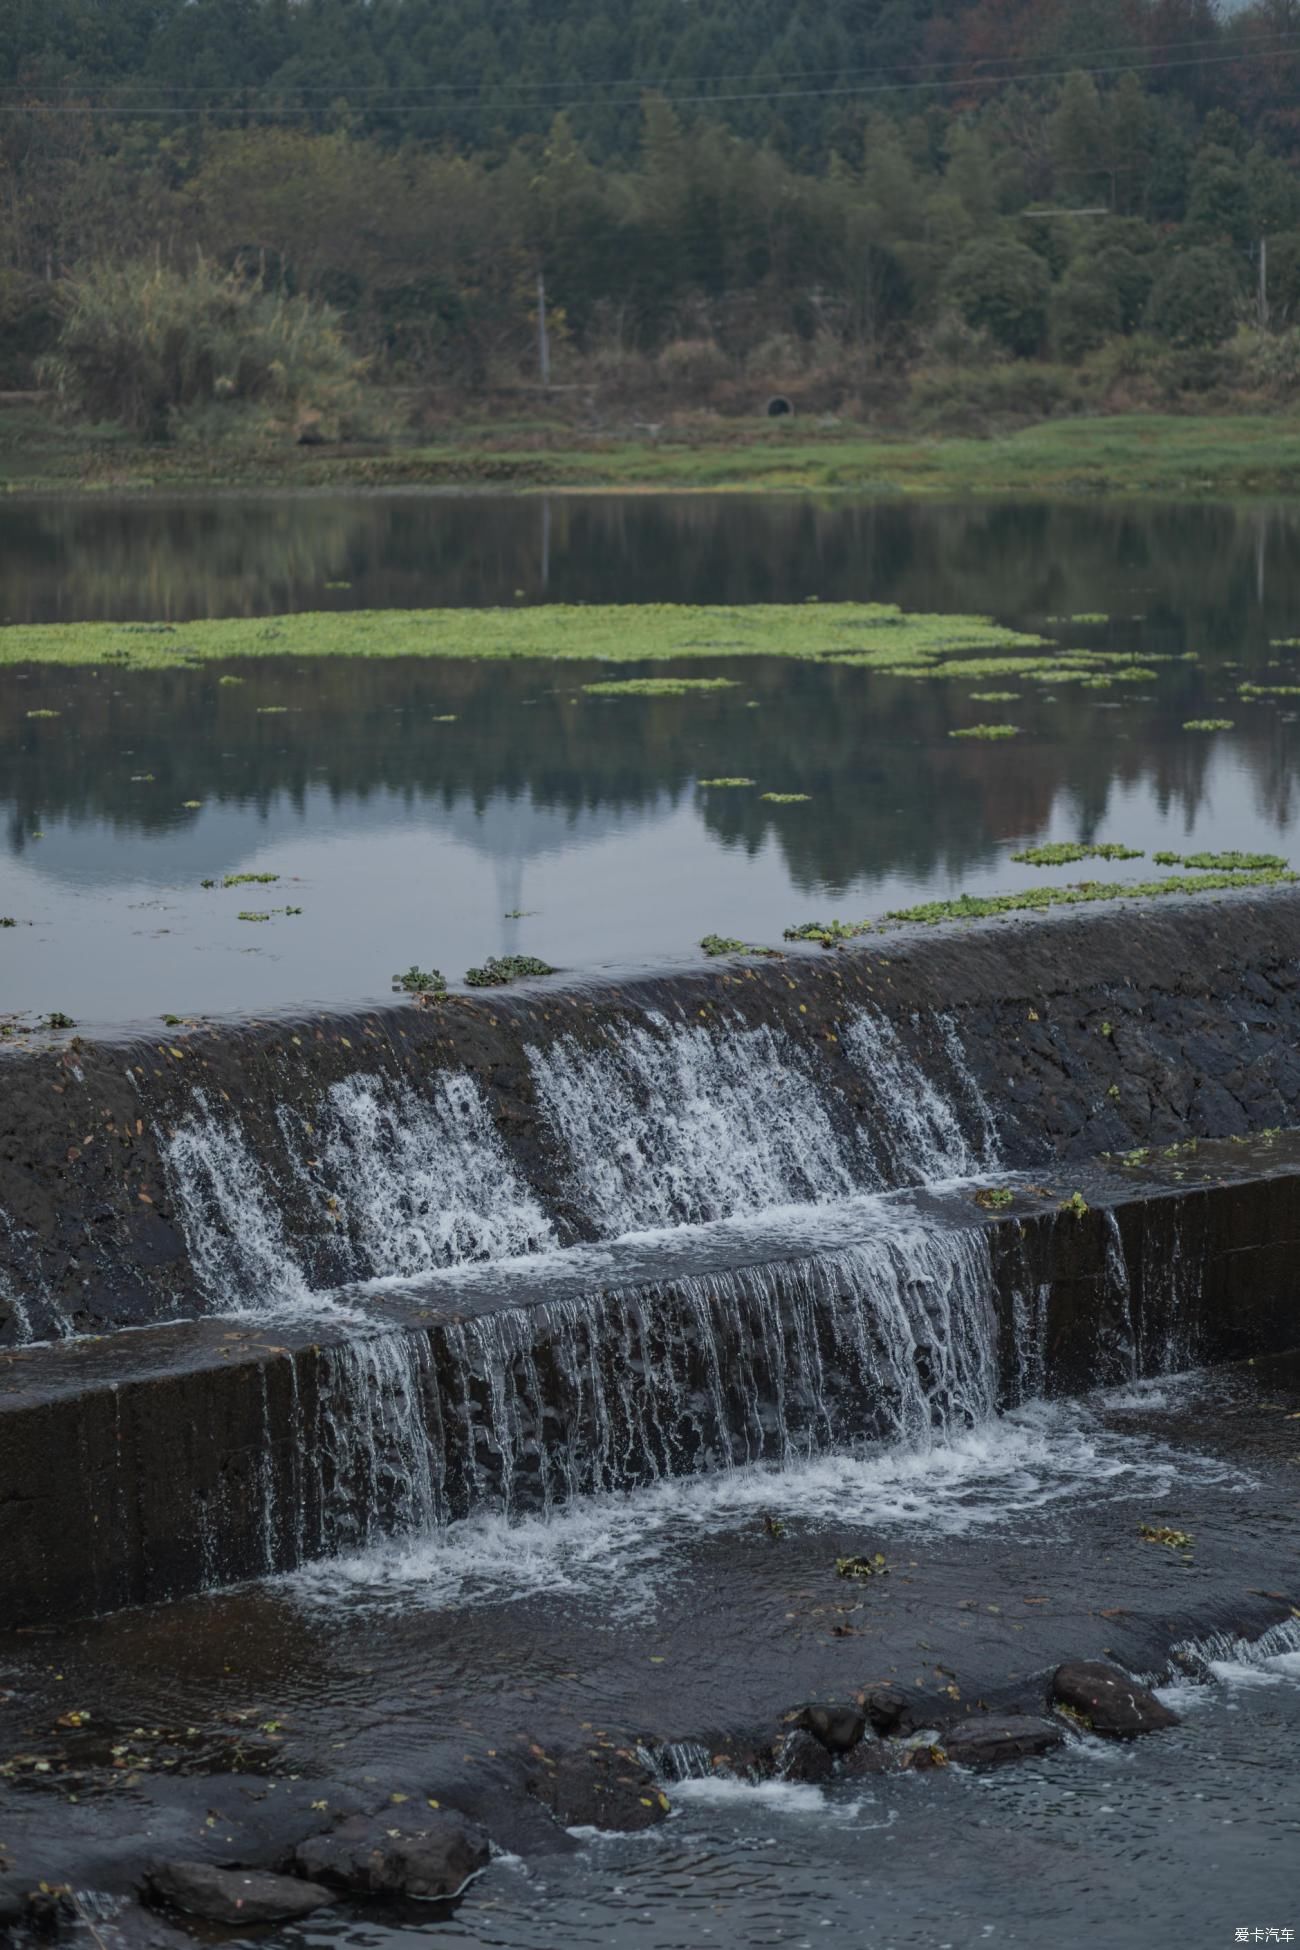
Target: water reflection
[[442, 812], [1216, 577]]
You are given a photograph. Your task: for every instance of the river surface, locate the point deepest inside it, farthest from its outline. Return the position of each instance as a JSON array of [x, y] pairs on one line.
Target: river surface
[[418, 812]]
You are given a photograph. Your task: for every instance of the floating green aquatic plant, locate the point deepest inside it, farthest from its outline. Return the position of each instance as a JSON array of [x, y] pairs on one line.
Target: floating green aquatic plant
[[658, 686], [7, 921], [497, 970], [828, 933], [1063, 853], [246, 880], [995, 697], [444, 717], [714, 784], [271, 710], [248, 915], [57, 1020], [994, 1198], [1085, 616], [43, 714], [859, 1569], [1076, 1203], [420, 981], [230, 680], [1207, 724], [725, 944], [877, 635], [786, 798], [987, 731], [978, 907], [1223, 862]]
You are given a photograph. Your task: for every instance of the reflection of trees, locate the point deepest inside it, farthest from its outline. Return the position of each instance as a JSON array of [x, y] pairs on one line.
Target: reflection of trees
[[1218, 578], [890, 792]]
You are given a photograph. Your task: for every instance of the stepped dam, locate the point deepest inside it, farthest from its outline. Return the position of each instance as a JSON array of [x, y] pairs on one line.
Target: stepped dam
[[628, 1287]]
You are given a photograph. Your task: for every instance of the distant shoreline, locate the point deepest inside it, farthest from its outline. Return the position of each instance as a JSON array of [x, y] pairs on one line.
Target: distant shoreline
[[1177, 457]]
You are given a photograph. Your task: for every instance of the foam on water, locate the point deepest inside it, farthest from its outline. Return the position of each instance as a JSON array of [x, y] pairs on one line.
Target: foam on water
[[917, 1128], [623, 1548]]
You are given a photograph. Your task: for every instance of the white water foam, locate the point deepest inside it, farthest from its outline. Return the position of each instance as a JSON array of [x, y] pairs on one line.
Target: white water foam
[[623, 1549], [679, 1125], [917, 1128], [418, 1183], [231, 1219]]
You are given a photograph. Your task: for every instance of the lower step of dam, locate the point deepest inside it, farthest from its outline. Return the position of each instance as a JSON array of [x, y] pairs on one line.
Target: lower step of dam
[[386, 1401]]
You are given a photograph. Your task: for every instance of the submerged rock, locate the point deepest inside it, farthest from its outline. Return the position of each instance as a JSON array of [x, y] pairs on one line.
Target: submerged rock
[[232, 1895], [870, 1756], [607, 1788], [1108, 1701], [434, 1856], [838, 1728], [800, 1757], [991, 1741]]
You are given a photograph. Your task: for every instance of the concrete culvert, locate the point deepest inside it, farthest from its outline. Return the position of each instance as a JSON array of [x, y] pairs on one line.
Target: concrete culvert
[[778, 406]]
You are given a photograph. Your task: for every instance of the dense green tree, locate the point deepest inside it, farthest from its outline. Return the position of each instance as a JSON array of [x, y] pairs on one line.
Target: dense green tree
[[1002, 287], [1194, 298]]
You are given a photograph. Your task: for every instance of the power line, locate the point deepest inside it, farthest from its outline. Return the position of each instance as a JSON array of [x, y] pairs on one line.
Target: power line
[[248, 107], [1009, 63]]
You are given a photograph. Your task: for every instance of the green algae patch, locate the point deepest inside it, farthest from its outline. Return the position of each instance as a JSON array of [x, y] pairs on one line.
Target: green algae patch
[[716, 785], [786, 798], [875, 635], [991, 732], [1207, 724]]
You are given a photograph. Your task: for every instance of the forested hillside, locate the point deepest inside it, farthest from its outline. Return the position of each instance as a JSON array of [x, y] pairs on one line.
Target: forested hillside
[[718, 193]]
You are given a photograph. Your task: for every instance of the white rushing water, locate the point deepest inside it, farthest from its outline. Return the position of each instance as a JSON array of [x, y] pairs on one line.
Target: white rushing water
[[624, 1549], [674, 1124], [677, 1125]]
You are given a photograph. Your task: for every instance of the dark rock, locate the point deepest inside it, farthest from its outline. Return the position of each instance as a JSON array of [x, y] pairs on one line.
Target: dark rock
[[607, 1788], [430, 1857], [799, 1757], [889, 1710], [837, 1727], [989, 1741], [870, 1756], [1108, 1700], [232, 1895]]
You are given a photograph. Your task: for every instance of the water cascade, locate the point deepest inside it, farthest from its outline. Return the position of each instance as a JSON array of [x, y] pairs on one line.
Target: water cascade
[[496, 1259]]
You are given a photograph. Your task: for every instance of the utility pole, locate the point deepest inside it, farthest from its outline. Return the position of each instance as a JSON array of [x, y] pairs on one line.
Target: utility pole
[[1263, 284], [543, 340]]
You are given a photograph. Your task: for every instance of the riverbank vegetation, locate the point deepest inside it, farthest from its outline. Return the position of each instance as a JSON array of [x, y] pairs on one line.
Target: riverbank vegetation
[[387, 243]]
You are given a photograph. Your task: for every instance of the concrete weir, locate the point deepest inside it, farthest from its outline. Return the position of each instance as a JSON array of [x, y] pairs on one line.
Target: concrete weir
[[151, 1464]]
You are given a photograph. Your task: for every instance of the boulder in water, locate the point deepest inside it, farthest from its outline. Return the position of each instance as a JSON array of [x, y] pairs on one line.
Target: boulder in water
[[603, 1788], [800, 1757], [432, 1856], [232, 1896], [838, 1728], [870, 1756], [990, 1740], [1108, 1701], [889, 1710]]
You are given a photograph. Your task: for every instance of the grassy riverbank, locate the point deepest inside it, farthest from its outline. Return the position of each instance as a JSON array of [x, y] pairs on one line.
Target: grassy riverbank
[[1148, 454]]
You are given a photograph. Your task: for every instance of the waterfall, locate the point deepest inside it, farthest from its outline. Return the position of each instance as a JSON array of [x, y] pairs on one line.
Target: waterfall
[[680, 1125], [413, 1183], [916, 1126], [893, 1339], [227, 1206]]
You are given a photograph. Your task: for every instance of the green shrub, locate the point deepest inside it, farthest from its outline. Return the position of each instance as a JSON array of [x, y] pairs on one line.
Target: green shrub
[[1002, 287], [206, 352]]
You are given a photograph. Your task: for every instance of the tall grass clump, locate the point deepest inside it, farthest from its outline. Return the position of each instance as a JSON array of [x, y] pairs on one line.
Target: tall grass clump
[[201, 354]]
